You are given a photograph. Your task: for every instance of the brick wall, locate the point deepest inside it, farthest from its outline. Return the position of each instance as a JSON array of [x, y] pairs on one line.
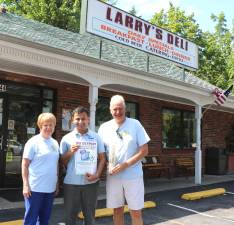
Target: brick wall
[[215, 125]]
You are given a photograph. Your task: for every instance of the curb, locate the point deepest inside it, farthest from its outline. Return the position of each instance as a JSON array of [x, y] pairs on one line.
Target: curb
[[203, 194], [109, 212]]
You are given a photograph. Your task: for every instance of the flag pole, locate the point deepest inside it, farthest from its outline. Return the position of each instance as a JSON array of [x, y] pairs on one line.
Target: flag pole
[[220, 98], [209, 107]]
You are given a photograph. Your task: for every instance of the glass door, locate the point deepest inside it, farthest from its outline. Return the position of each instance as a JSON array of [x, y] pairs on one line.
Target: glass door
[[21, 125], [20, 106], [2, 139]]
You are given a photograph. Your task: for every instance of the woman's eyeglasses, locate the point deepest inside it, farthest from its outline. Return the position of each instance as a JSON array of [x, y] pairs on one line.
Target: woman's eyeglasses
[[119, 134]]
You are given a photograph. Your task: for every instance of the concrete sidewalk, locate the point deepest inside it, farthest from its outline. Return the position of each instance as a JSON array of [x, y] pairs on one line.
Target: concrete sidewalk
[[12, 198]]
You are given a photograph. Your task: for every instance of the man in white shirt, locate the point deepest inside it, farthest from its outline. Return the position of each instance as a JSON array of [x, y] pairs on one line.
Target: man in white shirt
[[125, 142]]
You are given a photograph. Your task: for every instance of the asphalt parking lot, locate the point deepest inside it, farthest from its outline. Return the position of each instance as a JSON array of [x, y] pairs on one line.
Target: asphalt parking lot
[[170, 209]]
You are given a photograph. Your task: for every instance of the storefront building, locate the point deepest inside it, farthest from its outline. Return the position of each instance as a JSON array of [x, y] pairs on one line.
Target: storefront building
[[46, 69]]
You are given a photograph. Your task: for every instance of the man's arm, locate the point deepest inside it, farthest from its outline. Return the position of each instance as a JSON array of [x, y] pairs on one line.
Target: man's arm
[[101, 164], [143, 151], [67, 155]]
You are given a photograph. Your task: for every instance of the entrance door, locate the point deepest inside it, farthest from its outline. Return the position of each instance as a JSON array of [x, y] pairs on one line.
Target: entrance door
[[17, 124], [2, 140], [20, 106], [21, 125]]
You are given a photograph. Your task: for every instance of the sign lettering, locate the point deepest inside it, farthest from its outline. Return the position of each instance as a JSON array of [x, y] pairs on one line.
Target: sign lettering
[[114, 24]]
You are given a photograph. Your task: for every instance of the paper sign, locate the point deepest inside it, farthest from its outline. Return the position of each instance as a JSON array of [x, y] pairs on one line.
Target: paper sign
[[86, 158]]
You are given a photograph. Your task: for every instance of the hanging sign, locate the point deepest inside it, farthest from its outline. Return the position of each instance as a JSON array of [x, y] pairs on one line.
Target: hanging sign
[[114, 24]]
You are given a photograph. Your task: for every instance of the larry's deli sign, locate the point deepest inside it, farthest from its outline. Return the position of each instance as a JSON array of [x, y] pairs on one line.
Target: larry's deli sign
[[112, 23]]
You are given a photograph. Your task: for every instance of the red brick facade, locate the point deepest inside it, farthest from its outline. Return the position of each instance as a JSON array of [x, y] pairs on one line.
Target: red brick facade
[[215, 125]]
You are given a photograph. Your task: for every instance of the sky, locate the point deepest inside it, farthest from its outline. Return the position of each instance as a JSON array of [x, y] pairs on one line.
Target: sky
[[202, 9]]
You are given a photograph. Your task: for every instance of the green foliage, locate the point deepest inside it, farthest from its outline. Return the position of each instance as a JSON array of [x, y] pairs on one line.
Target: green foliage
[[177, 22], [217, 55], [216, 49], [133, 11], [64, 14]]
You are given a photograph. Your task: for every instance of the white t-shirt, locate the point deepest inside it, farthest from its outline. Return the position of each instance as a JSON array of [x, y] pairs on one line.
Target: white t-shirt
[[43, 168], [122, 143]]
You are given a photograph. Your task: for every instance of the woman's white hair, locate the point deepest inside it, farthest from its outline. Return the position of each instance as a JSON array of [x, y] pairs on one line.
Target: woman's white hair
[[117, 98]]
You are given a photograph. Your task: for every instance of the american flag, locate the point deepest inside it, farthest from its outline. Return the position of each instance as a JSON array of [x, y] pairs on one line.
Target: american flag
[[221, 96]]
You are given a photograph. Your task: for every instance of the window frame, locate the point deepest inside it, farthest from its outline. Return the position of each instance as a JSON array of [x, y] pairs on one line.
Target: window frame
[[107, 99], [181, 144]]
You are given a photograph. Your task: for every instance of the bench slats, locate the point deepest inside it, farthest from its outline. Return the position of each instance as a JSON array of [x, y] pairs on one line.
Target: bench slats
[[153, 162], [185, 165]]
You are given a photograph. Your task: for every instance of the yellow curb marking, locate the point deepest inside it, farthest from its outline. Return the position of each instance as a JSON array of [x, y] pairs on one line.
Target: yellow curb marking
[[15, 222], [203, 194], [99, 213], [109, 212]]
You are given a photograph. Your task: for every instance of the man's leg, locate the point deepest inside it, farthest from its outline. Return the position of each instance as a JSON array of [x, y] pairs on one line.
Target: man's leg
[[136, 217], [72, 199], [134, 194], [115, 198], [118, 216], [89, 201]]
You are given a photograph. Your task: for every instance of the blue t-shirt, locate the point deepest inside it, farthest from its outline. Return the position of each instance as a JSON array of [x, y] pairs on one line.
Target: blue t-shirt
[[121, 143], [43, 168], [71, 139]]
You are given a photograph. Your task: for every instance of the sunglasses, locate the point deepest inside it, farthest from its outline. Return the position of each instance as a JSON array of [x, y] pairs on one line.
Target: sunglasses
[[119, 134]]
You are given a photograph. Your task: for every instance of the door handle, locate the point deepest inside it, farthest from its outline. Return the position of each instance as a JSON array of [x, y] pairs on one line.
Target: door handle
[[1, 143]]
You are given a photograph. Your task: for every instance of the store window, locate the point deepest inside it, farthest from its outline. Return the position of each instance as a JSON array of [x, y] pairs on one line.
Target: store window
[[48, 98], [103, 112], [178, 129]]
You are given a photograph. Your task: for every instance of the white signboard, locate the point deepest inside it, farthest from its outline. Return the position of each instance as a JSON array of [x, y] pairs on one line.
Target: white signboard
[[112, 23]]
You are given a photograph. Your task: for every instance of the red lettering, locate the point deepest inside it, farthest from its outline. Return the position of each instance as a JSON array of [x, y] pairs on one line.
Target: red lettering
[[170, 38], [147, 28], [177, 40], [129, 22], [138, 26], [108, 14], [159, 34], [119, 18]]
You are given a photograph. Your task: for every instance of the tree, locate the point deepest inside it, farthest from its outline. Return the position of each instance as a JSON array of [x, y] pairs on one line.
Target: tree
[[64, 14], [216, 50], [133, 11], [177, 22], [217, 58]]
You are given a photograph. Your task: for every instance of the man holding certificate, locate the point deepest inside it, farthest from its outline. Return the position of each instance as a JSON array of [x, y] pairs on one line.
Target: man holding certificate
[[126, 143], [83, 155]]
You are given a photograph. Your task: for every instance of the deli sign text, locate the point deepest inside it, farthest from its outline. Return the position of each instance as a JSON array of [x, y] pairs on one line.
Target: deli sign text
[[112, 23]]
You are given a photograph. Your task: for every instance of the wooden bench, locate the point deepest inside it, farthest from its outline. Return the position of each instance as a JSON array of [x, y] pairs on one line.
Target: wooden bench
[[184, 166], [153, 165]]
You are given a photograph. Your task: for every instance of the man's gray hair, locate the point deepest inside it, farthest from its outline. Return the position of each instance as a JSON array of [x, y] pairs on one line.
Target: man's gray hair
[[117, 98]]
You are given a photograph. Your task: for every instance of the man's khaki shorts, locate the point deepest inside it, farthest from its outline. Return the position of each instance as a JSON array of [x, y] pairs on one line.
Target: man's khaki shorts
[[117, 190]]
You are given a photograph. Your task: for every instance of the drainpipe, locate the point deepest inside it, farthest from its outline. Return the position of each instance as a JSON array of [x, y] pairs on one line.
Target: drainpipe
[[198, 153], [93, 99]]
